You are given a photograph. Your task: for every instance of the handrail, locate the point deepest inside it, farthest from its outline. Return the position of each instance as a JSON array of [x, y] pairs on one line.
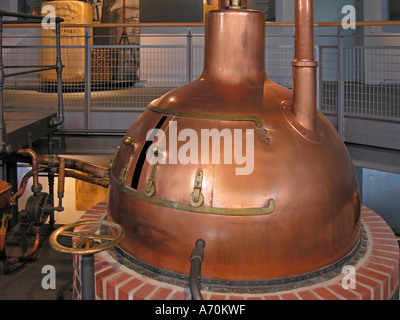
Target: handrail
[[4, 13], [5, 148], [200, 24]]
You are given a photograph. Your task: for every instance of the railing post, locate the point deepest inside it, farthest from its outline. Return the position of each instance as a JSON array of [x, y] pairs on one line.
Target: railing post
[[88, 85], [189, 58], [319, 76], [341, 87], [3, 144], [59, 69]]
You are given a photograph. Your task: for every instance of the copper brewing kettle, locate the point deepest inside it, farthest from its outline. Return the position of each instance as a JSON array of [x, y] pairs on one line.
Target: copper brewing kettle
[[291, 209]]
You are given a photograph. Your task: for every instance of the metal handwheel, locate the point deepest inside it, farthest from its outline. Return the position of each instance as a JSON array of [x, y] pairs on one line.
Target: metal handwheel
[[87, 247], [85, 243]]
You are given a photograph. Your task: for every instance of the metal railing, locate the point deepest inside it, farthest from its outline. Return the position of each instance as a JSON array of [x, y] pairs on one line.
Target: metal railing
[[354, 81], [29, 68]]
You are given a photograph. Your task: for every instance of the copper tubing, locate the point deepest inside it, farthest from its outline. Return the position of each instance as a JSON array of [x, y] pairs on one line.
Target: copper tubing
[[37, 187], [22, 187], [92, 169], [3, 231], [103, 182], [61, 178], [304, 66], [33, 250], [3, 256], [196, 258], [28, 254]]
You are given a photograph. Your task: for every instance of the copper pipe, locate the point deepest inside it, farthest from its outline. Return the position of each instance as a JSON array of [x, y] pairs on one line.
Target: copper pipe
[[61, 178], [33, 250], [22, 187], [103, 182], [304, 66], [92, 169], [61, 184], [196, 258], [3, 231], [37, 187], [3, 256]]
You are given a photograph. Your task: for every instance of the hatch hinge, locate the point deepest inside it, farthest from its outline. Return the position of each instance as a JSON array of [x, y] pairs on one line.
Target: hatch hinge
[[149, 188], [196, 198]]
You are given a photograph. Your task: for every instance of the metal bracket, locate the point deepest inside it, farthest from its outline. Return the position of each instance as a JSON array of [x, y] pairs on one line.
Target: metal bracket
[[124, 172], [149, 188], [111, 164], [196, 198]]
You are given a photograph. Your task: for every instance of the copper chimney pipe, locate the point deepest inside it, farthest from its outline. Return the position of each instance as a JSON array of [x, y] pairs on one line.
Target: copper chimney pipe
[[234, 50], [304, 66]]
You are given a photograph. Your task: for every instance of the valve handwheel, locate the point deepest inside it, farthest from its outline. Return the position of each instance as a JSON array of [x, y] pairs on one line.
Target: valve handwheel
[[85, 244]]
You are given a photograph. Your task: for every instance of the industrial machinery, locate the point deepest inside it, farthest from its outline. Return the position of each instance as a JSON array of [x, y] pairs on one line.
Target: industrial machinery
[[238, 161], [247, 170], [39, 208]]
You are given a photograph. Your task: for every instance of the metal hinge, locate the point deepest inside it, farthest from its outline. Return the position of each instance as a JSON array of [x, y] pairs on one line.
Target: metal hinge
[[111, 164], [124, 171], [149, 188], [196, 199]]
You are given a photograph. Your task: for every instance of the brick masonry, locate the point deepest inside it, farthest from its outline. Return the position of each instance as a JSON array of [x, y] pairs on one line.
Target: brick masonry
[[377, 274]]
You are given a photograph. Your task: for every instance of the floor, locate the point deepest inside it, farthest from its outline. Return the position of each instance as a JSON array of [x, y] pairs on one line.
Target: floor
[[24, 282]]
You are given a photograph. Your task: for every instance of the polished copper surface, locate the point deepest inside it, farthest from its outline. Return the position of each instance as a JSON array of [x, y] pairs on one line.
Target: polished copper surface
[[296, 212], [304, 66]]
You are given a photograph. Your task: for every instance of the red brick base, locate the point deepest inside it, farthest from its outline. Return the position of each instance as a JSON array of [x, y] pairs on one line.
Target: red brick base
[[377, 274]]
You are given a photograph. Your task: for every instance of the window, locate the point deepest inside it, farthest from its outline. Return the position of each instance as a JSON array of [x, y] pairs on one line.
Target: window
[[171, 11], [266, 6], [394, 10]]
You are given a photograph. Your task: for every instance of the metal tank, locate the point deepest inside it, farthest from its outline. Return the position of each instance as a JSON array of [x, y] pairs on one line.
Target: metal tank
[[282, 200]]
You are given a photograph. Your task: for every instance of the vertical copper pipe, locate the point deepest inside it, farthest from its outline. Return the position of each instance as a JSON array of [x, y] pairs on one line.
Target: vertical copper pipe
[[3, 232], [304, 66], [61, 184], [22, 188], [37, 187], [61, 178]]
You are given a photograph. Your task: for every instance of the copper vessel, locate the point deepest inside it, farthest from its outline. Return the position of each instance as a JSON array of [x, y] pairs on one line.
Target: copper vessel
[[297, 211]]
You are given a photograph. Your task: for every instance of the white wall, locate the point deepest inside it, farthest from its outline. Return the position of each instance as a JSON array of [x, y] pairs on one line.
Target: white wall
[[376, 10]]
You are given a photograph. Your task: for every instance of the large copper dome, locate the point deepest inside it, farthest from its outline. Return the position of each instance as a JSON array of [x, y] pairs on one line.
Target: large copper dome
[[291, 209]]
